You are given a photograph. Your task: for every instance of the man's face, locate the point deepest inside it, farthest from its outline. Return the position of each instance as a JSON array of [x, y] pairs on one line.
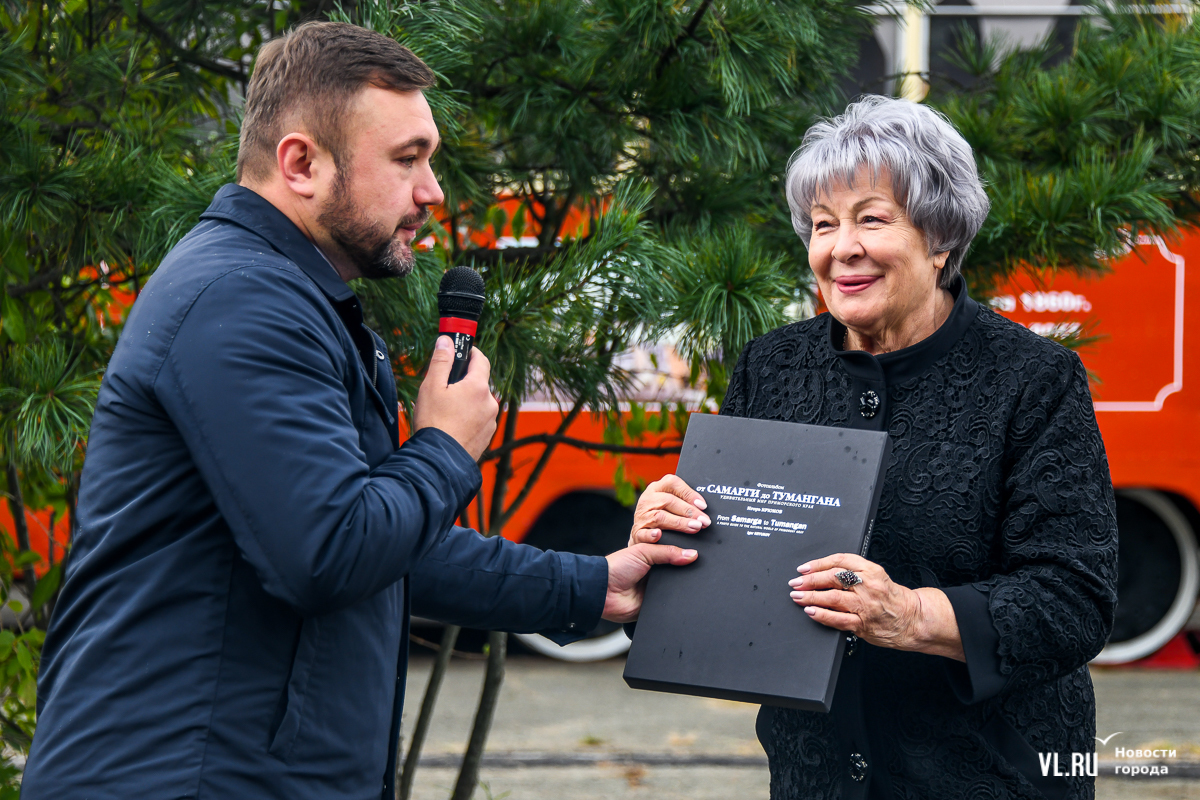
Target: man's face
[[385, 185]]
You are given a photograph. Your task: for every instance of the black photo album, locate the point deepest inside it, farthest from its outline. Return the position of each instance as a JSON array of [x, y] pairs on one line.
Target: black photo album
[[779, 494]]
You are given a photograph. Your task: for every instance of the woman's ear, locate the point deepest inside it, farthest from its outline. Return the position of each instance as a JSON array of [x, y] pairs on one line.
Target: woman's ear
[[939, 259]]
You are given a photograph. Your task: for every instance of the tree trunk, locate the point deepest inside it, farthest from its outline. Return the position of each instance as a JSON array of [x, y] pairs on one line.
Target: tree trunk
[[405, 780], [50, 541], [468, 776], [16, 505], [72, 498]]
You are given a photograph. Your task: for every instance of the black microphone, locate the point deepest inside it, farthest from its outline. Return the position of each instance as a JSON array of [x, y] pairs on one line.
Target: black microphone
[[460, 302]]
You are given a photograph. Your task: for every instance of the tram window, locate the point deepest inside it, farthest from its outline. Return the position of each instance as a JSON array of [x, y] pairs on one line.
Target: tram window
[[870, 74], [946, 36]]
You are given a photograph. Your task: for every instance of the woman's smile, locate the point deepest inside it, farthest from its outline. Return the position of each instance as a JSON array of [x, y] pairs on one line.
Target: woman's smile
[[856, 284]]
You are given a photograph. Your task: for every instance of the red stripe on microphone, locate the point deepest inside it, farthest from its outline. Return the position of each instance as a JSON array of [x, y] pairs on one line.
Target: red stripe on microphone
[[456, 325]]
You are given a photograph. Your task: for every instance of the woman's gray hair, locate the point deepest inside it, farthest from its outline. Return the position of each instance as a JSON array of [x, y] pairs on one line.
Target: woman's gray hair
[[931, 167]]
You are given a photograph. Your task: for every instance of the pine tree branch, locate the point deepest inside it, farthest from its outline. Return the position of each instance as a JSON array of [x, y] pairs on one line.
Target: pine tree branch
[[529, 255], [503, 471], [552, 227], [185, 55], [688, 32], [38, 283], [16, 507], [439, 648], [590, 98], [540, 466], [579, 444], [16, 734], [63, 130]]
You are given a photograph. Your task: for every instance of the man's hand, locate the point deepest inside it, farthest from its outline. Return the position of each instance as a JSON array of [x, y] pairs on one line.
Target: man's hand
[[466, 410], [627, 576]]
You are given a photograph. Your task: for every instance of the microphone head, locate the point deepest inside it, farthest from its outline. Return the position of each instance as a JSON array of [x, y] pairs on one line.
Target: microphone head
[[461, 294]]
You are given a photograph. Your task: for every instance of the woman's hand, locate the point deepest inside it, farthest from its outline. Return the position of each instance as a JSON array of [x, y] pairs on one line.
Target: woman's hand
[[877, 610], [667, 504]]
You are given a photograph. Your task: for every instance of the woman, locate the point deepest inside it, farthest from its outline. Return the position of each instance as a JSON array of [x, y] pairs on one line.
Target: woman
[[990, 579]]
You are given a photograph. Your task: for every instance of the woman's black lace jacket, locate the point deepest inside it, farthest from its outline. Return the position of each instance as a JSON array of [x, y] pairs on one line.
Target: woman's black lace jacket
[[998, 492]]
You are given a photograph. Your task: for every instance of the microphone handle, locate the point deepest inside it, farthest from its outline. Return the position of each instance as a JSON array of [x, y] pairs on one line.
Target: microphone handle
[[463, 342]]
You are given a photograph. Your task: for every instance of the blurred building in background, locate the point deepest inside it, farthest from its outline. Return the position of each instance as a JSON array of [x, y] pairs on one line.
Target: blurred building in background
[[912, 45]]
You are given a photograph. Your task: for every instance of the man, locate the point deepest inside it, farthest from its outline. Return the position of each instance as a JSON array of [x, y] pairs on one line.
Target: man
[[235, 618]]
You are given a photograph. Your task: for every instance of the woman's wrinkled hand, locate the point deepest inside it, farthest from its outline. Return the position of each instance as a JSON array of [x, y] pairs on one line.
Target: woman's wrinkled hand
[[667, 504], [877, 610]]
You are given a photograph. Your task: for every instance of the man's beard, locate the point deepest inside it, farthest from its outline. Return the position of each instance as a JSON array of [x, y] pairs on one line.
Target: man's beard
[[377, 252]]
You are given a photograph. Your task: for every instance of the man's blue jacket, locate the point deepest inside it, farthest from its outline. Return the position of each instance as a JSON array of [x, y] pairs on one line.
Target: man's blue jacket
[[234, 621]]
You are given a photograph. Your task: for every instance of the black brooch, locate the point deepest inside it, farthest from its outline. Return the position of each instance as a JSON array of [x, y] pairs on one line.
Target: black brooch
[[858, 767], [868, 404]]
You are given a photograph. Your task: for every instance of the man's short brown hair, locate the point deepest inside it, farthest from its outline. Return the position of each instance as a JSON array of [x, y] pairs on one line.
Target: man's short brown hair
[[309, 76]]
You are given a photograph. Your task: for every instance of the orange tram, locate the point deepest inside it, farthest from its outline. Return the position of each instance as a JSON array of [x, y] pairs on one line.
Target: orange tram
[[1146, 387], [1133, 327]]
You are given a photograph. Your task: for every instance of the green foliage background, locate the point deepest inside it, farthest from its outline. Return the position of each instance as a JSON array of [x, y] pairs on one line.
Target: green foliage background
[[667, 125], [1081, 157]]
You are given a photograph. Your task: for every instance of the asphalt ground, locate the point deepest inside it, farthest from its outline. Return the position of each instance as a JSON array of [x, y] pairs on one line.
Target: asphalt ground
[[576, 731]]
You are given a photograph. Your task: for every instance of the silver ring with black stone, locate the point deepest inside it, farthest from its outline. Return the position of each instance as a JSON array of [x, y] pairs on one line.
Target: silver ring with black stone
[[848, 579]]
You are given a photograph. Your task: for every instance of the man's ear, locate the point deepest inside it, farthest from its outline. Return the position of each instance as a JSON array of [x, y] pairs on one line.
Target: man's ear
[[301, 163], [939, 259]]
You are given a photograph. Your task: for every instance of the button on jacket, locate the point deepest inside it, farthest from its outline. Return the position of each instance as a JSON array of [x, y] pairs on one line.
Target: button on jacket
[[234, 620]]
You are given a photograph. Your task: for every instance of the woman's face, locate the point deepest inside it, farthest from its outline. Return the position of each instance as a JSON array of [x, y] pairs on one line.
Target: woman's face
[[872, 266]]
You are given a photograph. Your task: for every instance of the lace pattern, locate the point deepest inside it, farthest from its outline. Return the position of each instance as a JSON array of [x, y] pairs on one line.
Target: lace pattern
[[998, 479]]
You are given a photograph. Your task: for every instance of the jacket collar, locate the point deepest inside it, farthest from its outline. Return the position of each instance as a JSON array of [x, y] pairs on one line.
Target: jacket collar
[[250, 210], [909, 362]]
